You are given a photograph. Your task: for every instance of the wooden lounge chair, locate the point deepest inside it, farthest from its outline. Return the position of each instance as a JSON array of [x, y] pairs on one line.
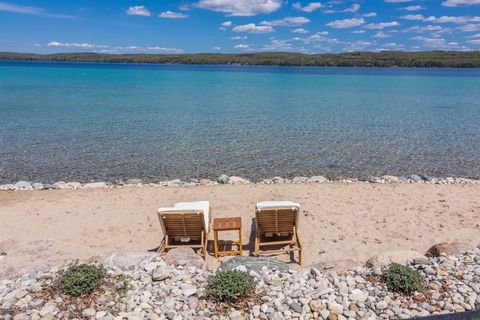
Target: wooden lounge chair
[[277, 219], [186, 224]]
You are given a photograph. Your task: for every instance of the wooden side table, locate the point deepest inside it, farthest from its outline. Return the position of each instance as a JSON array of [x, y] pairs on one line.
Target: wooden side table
[[227, 224]]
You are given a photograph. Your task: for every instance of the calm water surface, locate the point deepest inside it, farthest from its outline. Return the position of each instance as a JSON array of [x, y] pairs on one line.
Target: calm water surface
[[64, 121]]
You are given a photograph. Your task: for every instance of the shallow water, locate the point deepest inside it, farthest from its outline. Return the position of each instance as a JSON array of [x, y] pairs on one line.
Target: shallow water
[[64, 121]]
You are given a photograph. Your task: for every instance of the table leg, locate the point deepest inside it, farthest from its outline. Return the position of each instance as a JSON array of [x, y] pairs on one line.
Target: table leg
[[240, 245], [215, 244]]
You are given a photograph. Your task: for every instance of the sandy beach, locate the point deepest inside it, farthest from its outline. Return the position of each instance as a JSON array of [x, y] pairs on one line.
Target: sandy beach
[[341, 224]]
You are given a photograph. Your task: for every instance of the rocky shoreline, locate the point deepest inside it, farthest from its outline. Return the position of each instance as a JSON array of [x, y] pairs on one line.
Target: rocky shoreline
[[225, 179], [145, 286]]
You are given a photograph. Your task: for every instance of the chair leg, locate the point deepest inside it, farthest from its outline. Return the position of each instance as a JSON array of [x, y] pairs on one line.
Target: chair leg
[[299, 246], [161, 248], [257, 246], [205, 243]]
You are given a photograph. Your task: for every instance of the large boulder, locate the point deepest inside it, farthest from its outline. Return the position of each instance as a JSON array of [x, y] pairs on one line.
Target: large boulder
[[127, 259], [395, 256], [185, 257], [447, 248]]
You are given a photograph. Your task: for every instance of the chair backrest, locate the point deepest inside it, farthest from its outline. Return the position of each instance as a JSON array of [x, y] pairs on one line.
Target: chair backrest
[[180, 225], [276, 221]]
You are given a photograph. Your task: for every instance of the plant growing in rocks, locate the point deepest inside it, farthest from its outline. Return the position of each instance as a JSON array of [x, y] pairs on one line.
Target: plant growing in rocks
[[228, 286], [80, 279], [400, 278]]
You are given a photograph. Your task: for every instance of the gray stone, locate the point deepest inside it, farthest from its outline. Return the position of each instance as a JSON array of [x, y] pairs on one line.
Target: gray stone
[[127, 259], [37, 186], [90, 312], [391, 179], [415, 178], [237, 180], [133, 181], [223, 179], [184, 256], [7, 187], [296, 307], [92, 185], [23, 185], [74, 185], [160, 274]]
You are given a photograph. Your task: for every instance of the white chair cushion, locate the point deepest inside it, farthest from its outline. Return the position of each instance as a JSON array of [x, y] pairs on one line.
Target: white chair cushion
[[277, 204]]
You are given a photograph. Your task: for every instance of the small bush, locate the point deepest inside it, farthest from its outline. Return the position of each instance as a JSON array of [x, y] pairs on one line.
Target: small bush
[[403, 279], [229, 285], [80, 279]]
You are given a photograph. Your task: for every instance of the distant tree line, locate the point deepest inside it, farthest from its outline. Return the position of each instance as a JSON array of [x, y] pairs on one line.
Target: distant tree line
[[425, 59]]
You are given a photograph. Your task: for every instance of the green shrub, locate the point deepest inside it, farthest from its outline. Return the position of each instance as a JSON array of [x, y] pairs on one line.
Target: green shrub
[[403, 279], [229, 285], [80, 279]]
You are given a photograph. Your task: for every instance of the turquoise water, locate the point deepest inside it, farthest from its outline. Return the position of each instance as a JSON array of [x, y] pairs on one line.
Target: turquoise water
[[63, 121]]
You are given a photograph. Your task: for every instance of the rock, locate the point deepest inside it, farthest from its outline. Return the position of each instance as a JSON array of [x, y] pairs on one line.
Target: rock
[[391, 179], [254, 263], [278, 180], [223, 179], [175, 183], [48, 309], [374, 179], [189, 291], [314, 305], [420, 261], [37, 186], [415, 178], [60, 185], [318, 179], [335, 308], [299, 179], [237, 180], [22, 185], [160, 274], [395, 256], [296, 307], [358, 295], [205, 182], [127, 259], [381, 305], [7, 187], [133, 181], [92, 185], [447, 248], [74, 185], [90, 312], [184, 256]]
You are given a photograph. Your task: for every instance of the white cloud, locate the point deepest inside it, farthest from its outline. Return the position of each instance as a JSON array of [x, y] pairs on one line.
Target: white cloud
[[138, 11], [414, 8], [413, 17], [381, 34], [239, 38], [370, 14], [470, 27], [300, 30], [397, 1], [312, 6], [172, 15], [287, 22], [346, 23], [217, 48], [382, 25], [358, 31], [354, 8], [71, 45], [439, 43], [113, 50], [14, 8], [227, 24], [474, 41], [453, 19], [241, 46], [253, 28], [456, 3], [240, 7]]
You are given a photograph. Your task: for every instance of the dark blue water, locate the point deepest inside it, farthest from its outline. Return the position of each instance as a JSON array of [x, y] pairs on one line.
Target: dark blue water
[[64, 121]]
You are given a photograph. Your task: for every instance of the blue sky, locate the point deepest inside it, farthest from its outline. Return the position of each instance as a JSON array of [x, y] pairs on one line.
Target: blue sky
[[162, 26]]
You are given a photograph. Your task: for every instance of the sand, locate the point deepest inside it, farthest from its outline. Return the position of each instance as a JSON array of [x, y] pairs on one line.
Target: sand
[[340, 224]]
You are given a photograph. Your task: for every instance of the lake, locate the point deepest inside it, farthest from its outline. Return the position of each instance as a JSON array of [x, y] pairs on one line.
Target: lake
[[87, 121]]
